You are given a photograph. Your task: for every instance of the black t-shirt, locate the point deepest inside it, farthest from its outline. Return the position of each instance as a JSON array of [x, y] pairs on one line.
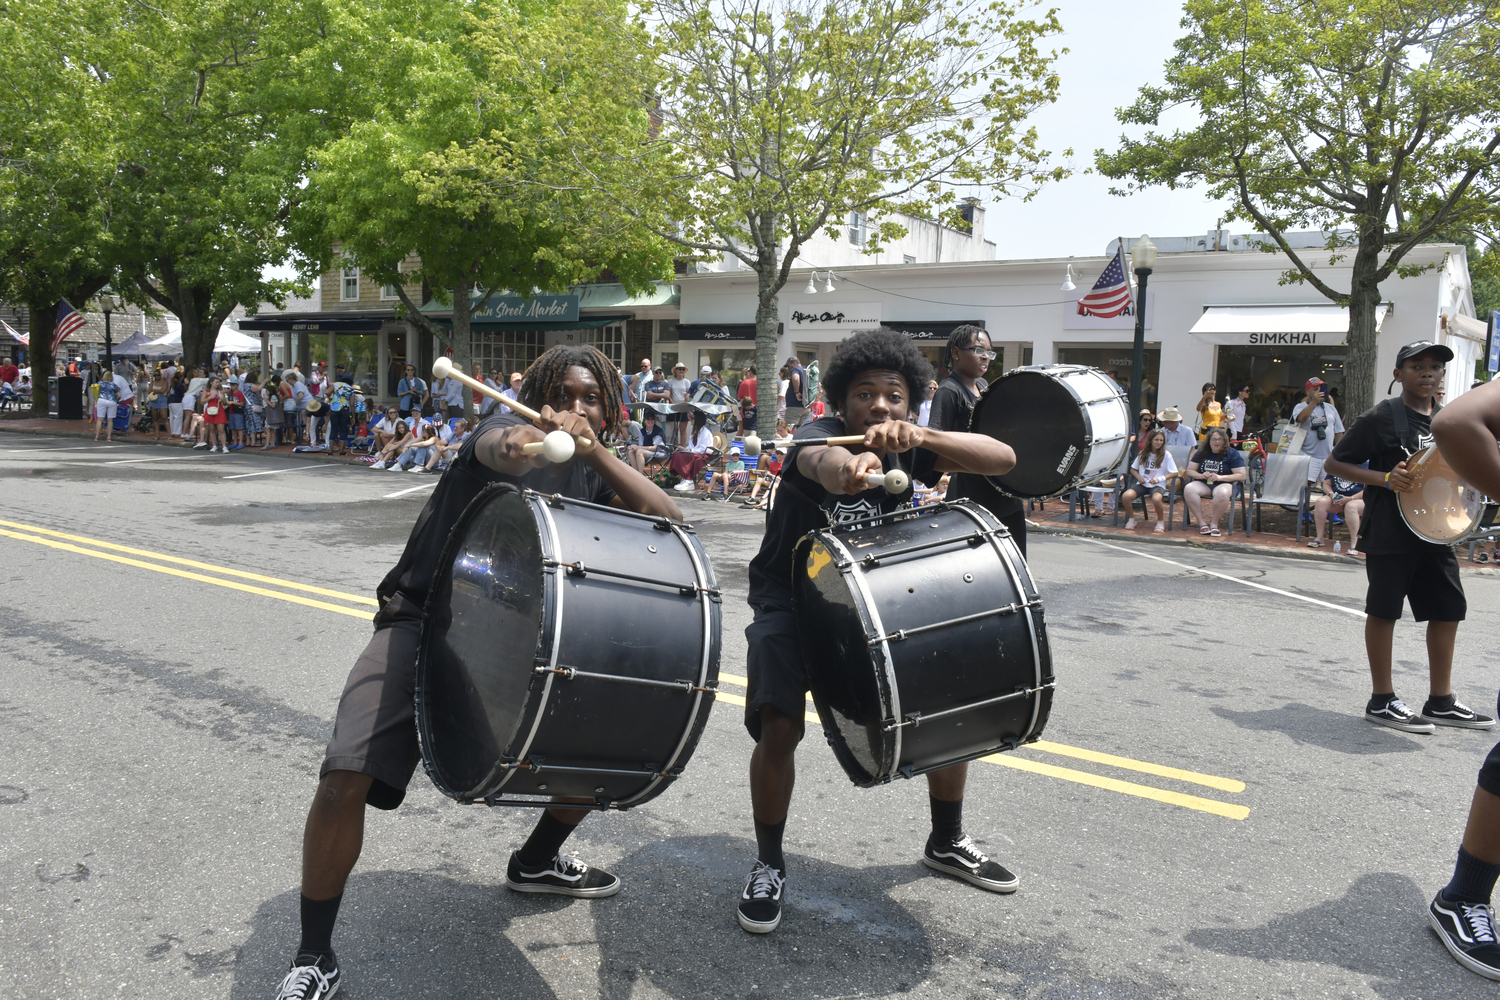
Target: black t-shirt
[[1373, 438], [463, 481], [953, 410], [1220, 465], [803, 505]]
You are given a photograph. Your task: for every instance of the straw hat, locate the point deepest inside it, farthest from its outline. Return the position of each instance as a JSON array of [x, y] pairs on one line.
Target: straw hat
[[1170, 413]]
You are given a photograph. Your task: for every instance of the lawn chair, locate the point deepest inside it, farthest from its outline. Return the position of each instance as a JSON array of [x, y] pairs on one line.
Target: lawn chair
[[1286, 486], [1180, 454]]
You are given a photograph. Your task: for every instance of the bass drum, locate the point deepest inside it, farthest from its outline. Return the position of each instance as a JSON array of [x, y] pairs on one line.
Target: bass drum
[[1441, 508], [569, 649], [1069, 426], [923, 638]]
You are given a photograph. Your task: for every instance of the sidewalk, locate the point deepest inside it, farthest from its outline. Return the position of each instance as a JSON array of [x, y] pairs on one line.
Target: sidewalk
[[49, 427]]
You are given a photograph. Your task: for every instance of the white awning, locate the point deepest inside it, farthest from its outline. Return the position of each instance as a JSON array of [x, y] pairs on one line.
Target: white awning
[[228, 341], [1309, 325]]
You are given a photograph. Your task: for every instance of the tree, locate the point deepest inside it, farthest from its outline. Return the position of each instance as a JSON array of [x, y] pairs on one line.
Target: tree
[[454, 161], [55, 167], [1372, 120], [777, 121]]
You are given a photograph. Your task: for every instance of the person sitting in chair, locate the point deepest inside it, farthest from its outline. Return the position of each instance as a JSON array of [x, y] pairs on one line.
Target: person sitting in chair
[[1212, 474]]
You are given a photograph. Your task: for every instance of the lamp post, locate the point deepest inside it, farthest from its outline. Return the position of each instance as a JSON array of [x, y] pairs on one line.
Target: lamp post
[[108, 304], [1142, 261]]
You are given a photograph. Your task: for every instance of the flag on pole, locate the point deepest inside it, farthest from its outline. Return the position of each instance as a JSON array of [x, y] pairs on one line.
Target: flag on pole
[[69, 320], [1110, 295], [18, 336]]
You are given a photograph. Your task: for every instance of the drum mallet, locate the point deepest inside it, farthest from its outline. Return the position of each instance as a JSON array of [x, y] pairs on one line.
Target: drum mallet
[[558, 446], [895, 482], [753, 444]]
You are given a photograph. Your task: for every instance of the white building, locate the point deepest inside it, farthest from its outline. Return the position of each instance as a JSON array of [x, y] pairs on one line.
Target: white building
[[1215, 312]]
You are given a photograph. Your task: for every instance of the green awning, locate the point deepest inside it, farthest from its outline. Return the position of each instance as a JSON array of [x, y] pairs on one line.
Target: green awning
[[614, 296]]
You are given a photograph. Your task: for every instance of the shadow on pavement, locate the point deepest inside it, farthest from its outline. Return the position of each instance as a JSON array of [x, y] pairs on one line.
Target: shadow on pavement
[[1341, 732], [1378, 929], [407, 935], [674, 925]]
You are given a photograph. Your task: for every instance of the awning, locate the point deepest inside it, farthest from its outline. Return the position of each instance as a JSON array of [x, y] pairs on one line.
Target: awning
[[228, 341], [582, 323], [1274, 325], [315, 323], [614, 296]]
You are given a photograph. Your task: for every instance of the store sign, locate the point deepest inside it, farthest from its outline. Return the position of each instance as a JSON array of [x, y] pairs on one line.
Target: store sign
[[514, 309], [1267, 338], [931, 330], [844, 316], [717, 331], [1125, 321]]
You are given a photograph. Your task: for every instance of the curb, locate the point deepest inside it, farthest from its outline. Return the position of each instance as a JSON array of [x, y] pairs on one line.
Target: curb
[[311, 456]]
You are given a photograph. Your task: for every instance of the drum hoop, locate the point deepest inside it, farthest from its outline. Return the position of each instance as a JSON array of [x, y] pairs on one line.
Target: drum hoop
[[850, 570], [550, 549], [1026, 599], [1468, 534], [704, 599]]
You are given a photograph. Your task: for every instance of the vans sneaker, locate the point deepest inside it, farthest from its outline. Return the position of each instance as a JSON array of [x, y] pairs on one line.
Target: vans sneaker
[[564, 875], [1395, 714], [317, 979], [1458, 715], [760, 902], [961, 858], [1468, 932]]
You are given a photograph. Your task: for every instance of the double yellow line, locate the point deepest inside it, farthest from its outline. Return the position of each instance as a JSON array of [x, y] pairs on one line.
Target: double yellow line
[[218, 576], [1022, 760]]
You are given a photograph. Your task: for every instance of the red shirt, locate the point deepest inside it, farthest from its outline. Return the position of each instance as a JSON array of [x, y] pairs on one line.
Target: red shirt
[[9, 373], [746, 391]]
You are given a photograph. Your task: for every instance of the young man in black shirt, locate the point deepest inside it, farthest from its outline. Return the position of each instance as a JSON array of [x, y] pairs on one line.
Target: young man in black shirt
[[1467, 432], [872, 382], [968, 357], [1400, 566], [374, 751]]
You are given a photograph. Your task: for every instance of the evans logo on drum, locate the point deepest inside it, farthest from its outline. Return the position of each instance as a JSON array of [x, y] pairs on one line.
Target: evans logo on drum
[[1067, 459]]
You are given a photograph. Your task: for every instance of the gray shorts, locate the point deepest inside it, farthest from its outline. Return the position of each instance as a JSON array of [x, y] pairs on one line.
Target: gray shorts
[[375, 731]]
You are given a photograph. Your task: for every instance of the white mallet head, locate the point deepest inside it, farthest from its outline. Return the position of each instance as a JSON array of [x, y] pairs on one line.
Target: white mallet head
[[558, 446], [896, 482], [442, 368], [752, 444]]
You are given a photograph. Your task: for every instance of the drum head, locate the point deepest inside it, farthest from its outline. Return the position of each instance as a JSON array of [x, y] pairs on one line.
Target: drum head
[[1041, 420], [848, 690], [476, 664], [1441, 507]]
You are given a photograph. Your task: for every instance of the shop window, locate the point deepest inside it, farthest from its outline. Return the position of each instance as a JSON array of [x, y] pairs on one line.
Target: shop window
[[388, 293], [349, 289], [729, 363], [666, 332], [507, 351], [1276, 376], [1117, 362]]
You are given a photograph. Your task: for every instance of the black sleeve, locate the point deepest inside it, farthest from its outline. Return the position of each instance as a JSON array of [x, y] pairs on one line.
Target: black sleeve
[[1363, 440], [946, 410]]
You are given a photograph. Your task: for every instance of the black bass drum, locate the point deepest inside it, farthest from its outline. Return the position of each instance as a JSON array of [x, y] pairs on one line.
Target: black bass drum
[[924, 640], [568, 649], [1069, 426]]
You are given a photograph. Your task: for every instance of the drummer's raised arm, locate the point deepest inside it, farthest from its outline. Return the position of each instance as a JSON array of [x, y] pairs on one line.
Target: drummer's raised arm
[[1467, 430]]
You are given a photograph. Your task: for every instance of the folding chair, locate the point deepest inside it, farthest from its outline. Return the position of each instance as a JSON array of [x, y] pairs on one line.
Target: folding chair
[[1286, 486]]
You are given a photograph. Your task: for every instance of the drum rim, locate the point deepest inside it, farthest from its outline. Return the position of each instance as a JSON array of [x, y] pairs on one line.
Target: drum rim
[[1469, 533]]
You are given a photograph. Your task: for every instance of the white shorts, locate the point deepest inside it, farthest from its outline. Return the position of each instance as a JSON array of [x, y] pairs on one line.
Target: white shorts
[[189, 401], [105, 409], [1315, 469]]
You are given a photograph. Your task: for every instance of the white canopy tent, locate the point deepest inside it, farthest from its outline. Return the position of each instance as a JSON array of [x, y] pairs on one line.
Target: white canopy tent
[[229, 341]]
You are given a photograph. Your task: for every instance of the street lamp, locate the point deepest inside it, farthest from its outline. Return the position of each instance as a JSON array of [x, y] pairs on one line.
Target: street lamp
[[1142, 261], [108, 304]]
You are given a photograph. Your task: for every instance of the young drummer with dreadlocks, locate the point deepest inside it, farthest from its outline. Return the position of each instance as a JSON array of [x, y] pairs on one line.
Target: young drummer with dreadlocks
[[373, 751], [968, 356]]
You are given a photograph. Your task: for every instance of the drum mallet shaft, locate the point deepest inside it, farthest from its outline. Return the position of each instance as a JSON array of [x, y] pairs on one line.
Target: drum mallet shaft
[[557, 446], [753, 444]]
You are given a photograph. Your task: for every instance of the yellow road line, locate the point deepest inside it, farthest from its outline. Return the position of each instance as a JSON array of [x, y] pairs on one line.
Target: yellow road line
[[735, 699], [1214, 806], [1160, 770], [353, 598], [200, 578]]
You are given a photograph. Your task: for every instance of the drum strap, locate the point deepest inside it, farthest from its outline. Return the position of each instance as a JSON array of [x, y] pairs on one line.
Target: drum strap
[[1403, 426]]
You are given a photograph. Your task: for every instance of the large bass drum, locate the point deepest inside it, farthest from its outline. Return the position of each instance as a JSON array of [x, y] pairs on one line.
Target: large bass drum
[[1069, 426], [569, 649], [923, 637]]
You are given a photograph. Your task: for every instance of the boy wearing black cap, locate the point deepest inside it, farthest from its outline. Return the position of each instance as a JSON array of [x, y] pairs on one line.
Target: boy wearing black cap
[[1400, 566]]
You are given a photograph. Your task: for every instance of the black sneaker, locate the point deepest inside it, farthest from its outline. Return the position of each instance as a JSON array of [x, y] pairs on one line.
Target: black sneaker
[[564, 875], [962, 859], [311, 978], [1458, 715], [1468, 932], [1395, 714], [760, 903]]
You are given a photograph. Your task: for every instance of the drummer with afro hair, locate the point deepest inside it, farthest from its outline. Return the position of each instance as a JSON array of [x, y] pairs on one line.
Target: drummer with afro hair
[[373, 750], [873, 385]]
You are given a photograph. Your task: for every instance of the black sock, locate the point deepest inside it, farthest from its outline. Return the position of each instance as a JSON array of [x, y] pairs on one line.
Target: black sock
[[1440, 703], [545, 840], [947, 819], [1473, 880], [318, 916], [768, 844], [1379, 701]]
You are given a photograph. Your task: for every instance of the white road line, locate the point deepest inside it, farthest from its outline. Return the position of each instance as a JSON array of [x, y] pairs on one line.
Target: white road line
[[1232, 579], [41, 449], [272, 472], [402, 493], [169, 458]]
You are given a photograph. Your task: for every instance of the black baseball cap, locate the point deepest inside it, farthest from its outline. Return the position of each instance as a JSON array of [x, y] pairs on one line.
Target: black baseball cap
[[1443, 354]]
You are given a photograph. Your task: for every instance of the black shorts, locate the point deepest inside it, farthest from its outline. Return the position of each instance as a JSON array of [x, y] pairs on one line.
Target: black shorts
[[1427, 579], [774, 666], [375, 731], [677, 418]]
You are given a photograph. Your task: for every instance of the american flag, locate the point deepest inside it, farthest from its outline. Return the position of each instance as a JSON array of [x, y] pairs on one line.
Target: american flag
[[69, 320], [12, 331], [1110, 295]]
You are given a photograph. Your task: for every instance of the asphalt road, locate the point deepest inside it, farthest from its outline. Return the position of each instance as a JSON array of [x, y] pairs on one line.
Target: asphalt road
[[161, 727]]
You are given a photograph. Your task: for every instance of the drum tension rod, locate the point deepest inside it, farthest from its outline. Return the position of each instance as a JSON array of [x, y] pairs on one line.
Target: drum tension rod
[[977, 538], [915, 719], [580, 570], [904, 633], [571, 673]]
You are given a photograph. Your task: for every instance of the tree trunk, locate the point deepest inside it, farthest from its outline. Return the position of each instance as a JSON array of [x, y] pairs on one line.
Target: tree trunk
[[766, 365], [1360, 376], [462, 344], [42, 323]]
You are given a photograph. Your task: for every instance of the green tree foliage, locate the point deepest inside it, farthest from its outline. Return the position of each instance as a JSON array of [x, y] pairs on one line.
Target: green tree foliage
[[777, 120], [1372, 120], [454, 159]]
